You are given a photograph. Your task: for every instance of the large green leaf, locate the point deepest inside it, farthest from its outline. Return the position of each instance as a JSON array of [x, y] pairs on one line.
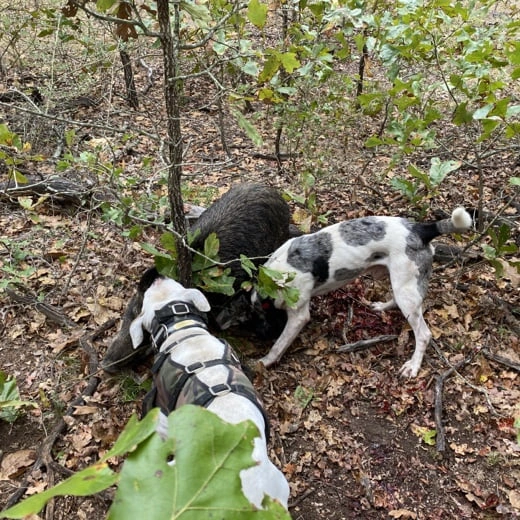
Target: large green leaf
[[257, 13], [95, 478], [91, 480], [105, 5], [198, 12], [440, 169], [289, 61], [216, 280], [248, 128], [276, 284], [134, 433], [203, 482]]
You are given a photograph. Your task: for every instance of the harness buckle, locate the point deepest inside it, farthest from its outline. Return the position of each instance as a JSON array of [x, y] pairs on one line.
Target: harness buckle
[[194, 368], [180, 308], [219, 390]]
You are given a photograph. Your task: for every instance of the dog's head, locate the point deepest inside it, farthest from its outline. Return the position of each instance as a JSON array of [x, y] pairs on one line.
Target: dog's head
[[236, 311], [254, 314], [122, 353], [159, 291], [267, 321]]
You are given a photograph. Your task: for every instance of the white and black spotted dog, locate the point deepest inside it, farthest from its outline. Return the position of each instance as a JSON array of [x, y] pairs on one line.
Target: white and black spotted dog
[[193, 366], [328, 259]]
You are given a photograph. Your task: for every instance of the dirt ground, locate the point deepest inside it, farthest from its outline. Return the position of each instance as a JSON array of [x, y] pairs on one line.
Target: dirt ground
[[354, 440]]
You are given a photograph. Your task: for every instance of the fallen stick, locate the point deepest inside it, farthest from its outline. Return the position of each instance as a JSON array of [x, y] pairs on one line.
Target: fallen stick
[[501, 359], [439, 388], [301, 498], [363, 344], [52, 312]]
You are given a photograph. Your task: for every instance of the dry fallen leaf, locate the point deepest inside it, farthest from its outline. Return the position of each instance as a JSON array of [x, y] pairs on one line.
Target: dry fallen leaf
[[81, 439], [402, 513], [13, 464], [514, 498], [303, 219], [61, 341], [85, 410], [461, 449], [36, 488]]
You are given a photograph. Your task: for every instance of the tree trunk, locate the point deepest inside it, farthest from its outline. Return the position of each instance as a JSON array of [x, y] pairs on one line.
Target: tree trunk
[[131, 92], [172, 91]]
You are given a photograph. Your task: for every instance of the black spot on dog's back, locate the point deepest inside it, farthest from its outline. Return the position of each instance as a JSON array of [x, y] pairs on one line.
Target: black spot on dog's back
[[361, 231], [311, 254], [320, 269]]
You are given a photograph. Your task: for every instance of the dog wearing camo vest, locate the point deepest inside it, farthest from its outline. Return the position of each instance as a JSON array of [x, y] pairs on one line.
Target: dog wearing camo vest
[[330, 258], [194, 367]]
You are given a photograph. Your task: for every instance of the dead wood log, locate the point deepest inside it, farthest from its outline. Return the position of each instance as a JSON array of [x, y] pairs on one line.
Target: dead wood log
[[58, 188], [501, 359]]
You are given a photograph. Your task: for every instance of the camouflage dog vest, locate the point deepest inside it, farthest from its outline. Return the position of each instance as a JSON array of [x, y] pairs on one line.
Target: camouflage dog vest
[[176, 384]]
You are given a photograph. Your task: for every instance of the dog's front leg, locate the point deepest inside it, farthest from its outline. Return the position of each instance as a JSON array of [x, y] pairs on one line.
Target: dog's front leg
[[296, 320], [422, 338]]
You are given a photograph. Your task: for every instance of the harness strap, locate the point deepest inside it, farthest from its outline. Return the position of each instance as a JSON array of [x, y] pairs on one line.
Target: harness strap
[[189, 372], [161, 357], [173, 380], [221, 389], [175, 315]]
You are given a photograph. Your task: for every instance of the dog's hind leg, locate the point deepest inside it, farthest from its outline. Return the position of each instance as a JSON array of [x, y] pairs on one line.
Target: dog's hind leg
[[296, 320]]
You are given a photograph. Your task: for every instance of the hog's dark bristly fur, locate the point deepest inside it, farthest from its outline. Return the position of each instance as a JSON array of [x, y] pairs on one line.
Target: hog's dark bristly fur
[[249, 219]]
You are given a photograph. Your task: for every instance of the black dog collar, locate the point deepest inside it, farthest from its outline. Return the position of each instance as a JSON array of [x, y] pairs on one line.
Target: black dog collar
[[175, 315]]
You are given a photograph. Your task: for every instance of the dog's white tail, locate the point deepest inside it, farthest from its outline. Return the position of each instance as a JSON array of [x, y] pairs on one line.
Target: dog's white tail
[[460, 221]]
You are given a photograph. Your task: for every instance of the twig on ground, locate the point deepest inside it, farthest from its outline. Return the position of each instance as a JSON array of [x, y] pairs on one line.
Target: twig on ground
[[301, 498], [50, 311], [65, 289], [347, 323], [501, 359], [439, 388], [365, 343], [479, 389], [505, 307]]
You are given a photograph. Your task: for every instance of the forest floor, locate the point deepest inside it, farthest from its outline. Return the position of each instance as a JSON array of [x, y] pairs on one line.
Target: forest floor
[[354, 439]]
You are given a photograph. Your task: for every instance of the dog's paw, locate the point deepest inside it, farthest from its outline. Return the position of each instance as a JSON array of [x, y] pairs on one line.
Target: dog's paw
[[382, 306], [409, 369]]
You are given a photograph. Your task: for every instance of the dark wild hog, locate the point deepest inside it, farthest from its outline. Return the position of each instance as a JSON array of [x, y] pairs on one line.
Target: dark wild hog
[[249, 219]]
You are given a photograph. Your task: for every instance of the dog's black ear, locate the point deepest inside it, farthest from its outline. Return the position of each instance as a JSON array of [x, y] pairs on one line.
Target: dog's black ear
[[148, 278]]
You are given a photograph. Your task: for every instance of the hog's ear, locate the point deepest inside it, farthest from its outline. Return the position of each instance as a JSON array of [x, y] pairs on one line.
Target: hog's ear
[[136, 331], [198, 299]]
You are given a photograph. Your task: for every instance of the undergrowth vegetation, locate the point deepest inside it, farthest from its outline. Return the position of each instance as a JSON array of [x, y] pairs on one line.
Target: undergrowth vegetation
[[297, 80]]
